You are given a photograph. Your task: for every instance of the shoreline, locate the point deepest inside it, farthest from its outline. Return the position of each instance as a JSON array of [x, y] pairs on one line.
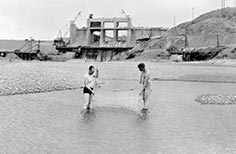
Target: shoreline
[[25, 77]]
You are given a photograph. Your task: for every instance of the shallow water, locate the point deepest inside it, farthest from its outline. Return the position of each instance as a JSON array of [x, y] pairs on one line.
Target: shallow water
[[53, 123]]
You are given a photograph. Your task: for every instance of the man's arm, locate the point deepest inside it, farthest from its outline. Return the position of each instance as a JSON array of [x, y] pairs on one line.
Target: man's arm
[[140, 79]]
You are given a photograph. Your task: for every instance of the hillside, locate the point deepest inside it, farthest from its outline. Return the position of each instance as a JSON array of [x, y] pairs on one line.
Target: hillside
[[202, 32]]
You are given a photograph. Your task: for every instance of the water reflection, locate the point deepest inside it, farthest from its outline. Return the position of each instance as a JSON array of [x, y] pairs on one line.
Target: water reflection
[[143, 115], [175, 124], [88, 115]]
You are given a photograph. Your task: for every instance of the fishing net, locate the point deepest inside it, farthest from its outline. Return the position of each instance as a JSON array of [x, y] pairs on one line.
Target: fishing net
[[124, 99]]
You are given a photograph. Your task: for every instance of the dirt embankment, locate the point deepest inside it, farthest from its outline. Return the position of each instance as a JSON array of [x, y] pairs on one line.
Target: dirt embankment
[[208, 31], [154, 50]]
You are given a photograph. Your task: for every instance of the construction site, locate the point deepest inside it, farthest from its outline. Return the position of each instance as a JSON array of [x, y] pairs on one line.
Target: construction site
[[211, 35], [189, 71], [105, 38]]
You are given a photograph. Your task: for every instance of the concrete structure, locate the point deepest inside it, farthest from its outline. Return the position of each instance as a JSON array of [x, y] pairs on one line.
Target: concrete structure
[[123, 33], [106, 37]]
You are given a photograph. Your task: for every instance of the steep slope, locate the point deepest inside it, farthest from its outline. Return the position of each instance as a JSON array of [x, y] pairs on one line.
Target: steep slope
[[214, 28], [203, 30]]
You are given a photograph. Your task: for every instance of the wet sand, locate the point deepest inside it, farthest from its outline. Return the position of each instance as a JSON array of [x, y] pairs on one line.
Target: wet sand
[[51, 122]]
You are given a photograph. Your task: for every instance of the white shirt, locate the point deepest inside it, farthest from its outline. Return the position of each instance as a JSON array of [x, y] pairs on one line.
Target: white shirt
[[89, 80]]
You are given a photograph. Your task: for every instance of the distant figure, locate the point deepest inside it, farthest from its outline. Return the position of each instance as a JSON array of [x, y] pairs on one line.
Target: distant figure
[[90, 16], [145, 81], [90, 85]]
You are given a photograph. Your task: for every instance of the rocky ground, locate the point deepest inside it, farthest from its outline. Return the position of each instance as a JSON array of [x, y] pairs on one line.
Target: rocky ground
[[32, 77], [200, 36], [220, 99]]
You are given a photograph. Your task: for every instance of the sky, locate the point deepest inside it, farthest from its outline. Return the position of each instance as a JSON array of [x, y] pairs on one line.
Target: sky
[[42, 19]]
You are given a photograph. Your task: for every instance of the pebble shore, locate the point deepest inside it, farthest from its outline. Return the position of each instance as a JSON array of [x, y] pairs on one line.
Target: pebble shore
[[26, 77], [217, 99], [32, 76]]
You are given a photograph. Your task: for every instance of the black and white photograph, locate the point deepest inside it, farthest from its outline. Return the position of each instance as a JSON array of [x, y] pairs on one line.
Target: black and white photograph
[[117, 77]]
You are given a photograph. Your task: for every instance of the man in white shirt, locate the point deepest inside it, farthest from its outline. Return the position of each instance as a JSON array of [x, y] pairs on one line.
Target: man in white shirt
[[89, 85]]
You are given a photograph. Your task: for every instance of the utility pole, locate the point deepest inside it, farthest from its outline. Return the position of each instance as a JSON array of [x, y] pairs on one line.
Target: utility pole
[[192, 13], [223, 6], [174, 21]]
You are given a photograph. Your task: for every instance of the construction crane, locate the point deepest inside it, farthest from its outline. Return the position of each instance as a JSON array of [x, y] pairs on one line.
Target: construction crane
[[59, 41], [60, 31], [76, 17], [73, 21], [143, 33], [123, 12]]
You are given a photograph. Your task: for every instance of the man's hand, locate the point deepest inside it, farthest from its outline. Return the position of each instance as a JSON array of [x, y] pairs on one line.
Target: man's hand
[[93, 92], [141, 92]]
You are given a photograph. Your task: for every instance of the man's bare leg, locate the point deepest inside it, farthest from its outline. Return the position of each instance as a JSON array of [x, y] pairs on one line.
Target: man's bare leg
[[88, 99], [146, 95], [89, 102], [144, 102]]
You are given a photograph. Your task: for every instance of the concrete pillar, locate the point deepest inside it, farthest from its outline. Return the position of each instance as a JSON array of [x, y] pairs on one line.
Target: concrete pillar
[[129, 32], [72, 32], [88, 33], [115, 33], [102, 35], [104, 55], [88, 37], [99, 56]]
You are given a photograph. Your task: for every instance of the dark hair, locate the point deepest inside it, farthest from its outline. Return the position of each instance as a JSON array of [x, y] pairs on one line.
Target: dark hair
[[91, 67], [141, 65]]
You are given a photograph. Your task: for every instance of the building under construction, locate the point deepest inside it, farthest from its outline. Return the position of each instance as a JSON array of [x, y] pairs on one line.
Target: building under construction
[[103, 38], [26, 50]]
